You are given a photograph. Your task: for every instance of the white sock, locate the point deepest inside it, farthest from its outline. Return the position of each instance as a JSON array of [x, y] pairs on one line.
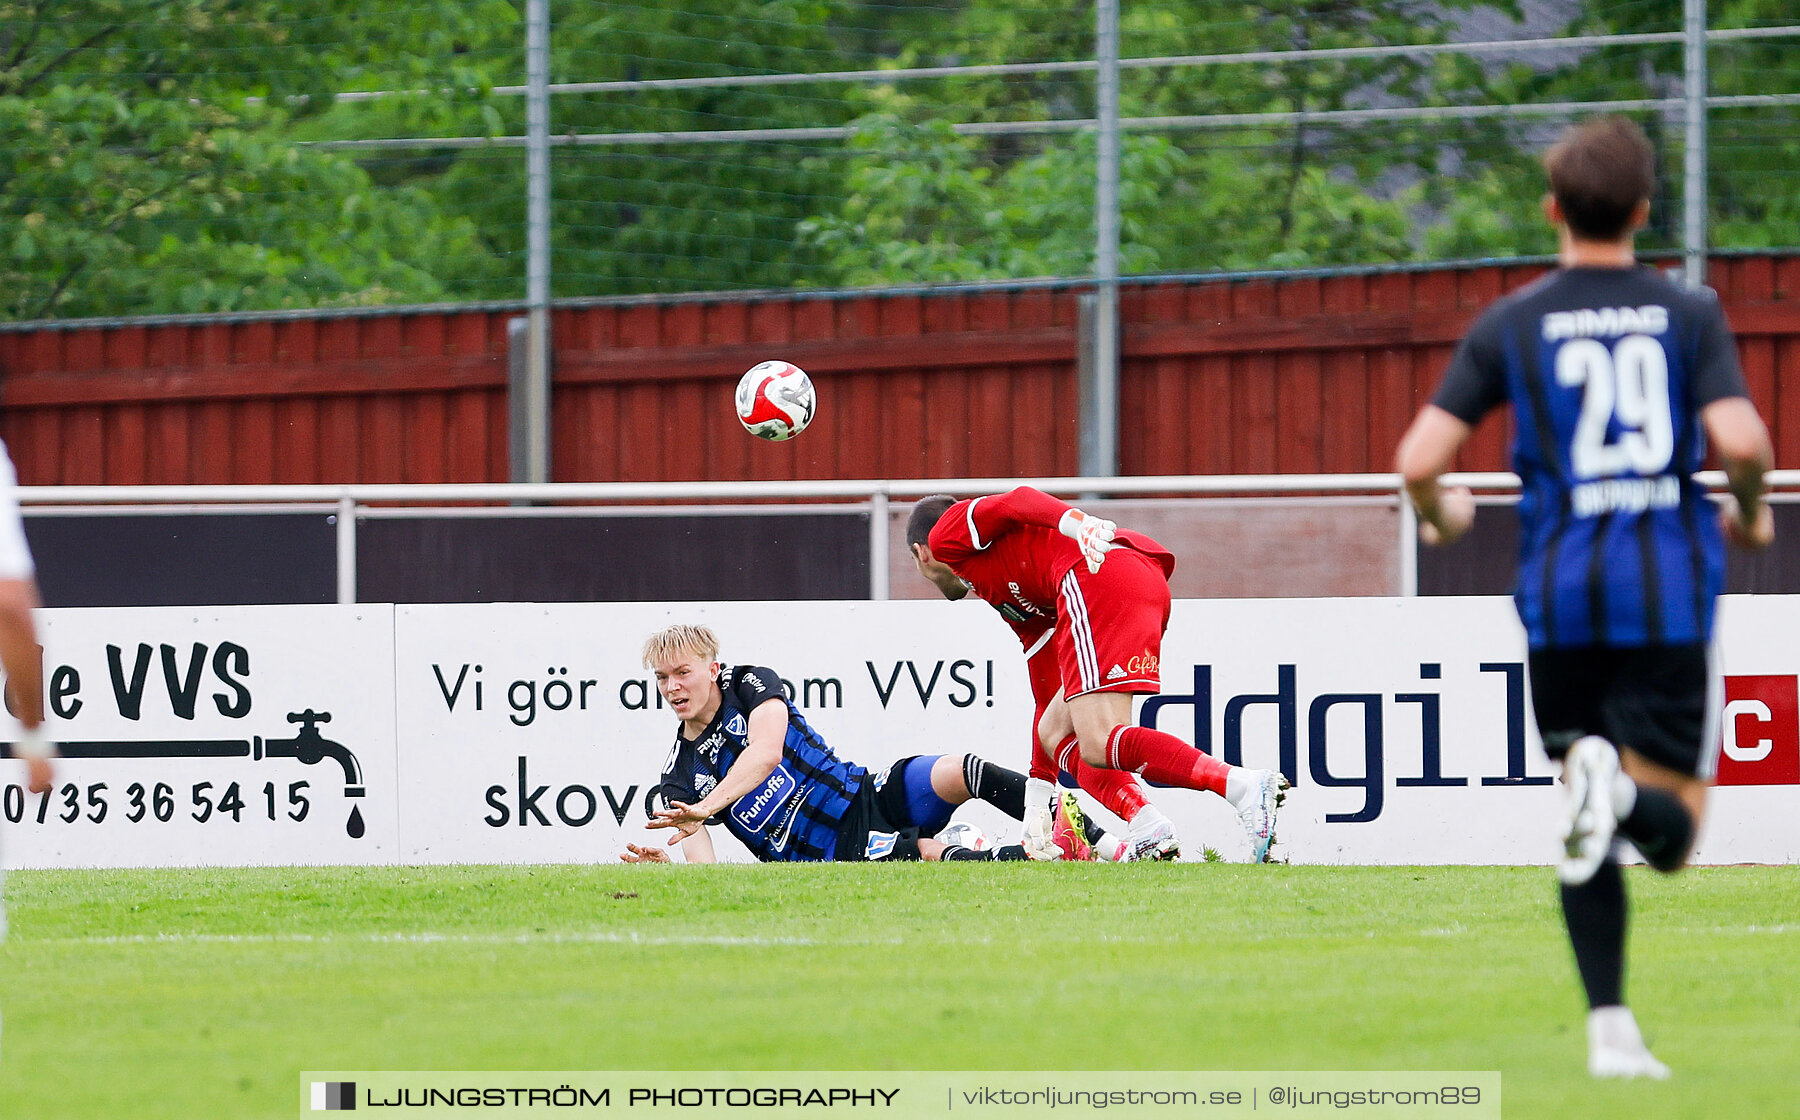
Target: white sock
[[1147, 818], [1110, 849], [1237, 784], [1624, 795], [1613, 1026]]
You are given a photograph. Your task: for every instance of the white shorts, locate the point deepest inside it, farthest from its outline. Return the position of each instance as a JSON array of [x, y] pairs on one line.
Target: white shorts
[[15, 556]]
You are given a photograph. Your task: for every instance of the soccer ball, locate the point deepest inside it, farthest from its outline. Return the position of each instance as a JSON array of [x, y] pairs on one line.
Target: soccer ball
[[775, 400], [965, 835]]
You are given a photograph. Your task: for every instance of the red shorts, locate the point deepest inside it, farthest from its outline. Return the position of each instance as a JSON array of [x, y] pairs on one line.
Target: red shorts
[[1110, 623]]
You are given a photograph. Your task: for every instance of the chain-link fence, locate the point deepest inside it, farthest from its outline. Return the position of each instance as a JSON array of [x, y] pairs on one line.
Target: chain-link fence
[[204, 155]]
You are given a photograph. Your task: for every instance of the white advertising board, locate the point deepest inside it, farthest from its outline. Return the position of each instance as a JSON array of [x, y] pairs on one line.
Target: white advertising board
[[532, 733], [218, 736], [1407, 726], [1405, 723]]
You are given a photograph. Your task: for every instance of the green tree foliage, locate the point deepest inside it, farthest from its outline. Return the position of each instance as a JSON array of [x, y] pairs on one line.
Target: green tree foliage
[[925, 204], [636, 218], [1753, 181], [651, 218], [149, 165], [161, 155]]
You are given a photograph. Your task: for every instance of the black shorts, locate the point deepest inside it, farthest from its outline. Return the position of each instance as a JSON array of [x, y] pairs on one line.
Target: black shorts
[[878, 824], [1653, 699]]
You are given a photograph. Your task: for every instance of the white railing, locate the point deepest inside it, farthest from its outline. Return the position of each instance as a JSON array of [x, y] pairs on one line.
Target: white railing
[[353, 501]]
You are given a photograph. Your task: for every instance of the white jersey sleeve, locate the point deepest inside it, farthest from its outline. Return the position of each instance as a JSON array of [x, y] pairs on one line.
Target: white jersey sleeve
[[15, 555]]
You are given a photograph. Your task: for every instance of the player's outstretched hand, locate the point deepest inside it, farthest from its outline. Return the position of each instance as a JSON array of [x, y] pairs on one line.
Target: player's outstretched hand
[[37, 752], [640, 853], [1093, 535], [1759, 533], [39, 776], [1455, 514], [685, 819]]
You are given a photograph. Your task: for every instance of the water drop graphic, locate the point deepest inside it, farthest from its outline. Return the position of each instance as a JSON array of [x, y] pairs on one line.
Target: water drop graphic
[[355, 827]]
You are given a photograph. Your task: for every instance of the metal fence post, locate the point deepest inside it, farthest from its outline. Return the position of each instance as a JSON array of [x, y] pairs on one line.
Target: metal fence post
[[531, 410], [1099, 440], [1409, 545], [346, 550], [1693, 159], [878, 545], [520, 395]]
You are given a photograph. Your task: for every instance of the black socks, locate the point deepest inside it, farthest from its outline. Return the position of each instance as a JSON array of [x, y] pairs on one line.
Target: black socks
[[1009, 852], [1595, 913], [1002, 788], [1661, 827]]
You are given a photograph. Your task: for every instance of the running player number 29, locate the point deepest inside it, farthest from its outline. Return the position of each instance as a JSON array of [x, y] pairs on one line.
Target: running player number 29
[[1631, 382]]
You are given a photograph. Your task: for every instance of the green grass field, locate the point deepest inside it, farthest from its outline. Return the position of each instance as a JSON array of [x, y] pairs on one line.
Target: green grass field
[[133, 994]]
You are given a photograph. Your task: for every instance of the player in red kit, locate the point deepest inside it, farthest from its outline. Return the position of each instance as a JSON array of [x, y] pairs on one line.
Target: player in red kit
[[1105, 593], [1152, 834]]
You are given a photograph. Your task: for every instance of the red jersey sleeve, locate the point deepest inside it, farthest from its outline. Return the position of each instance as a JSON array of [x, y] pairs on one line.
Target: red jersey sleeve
[[974, 524]]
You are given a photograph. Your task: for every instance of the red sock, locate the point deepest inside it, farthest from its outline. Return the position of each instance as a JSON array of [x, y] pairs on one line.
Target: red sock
[[1116, 790], [1162, 757]]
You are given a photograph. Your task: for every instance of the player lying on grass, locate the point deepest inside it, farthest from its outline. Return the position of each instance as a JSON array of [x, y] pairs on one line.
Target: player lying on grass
[[745, 758], [1105, 593]]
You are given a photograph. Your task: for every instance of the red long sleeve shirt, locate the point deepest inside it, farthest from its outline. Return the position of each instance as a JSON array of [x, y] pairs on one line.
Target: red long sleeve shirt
[[1007, 547]]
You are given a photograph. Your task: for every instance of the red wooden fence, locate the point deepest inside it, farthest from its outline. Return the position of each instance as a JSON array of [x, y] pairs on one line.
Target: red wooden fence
[[1219, 376]]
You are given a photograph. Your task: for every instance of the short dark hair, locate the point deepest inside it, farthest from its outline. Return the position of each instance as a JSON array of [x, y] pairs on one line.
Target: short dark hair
[[1600, 170], [926, 513]]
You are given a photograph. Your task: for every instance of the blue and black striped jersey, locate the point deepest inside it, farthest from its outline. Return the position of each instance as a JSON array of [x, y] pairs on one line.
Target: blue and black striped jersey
[[796, 812], [1607, 370]]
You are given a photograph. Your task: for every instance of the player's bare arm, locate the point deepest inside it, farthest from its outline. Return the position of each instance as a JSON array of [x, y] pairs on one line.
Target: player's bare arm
[[768, 728], [1741, 440], [24, 678], [698, 848], [1025, 505], [1426, 452]]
